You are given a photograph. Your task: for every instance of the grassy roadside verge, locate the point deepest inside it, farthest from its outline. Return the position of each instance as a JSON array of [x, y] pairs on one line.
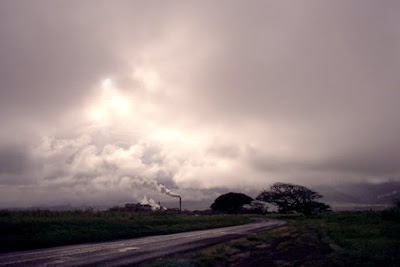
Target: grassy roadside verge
[[352, 239], [22, 230]]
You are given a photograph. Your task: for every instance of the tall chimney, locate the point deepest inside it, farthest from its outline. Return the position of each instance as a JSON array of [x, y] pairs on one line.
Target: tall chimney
[[180, 203]]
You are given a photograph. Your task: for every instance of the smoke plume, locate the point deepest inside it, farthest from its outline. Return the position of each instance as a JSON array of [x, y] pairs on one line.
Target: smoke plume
[[151, 202], [155, 186]]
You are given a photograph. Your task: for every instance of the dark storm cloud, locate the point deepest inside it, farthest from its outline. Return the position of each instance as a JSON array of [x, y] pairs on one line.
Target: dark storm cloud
[[17, 165], [199, 95], [14, 160], [370, 165]]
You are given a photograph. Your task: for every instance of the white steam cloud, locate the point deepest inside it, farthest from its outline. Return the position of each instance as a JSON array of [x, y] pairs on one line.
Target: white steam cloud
[[151, 202], [155, 186]]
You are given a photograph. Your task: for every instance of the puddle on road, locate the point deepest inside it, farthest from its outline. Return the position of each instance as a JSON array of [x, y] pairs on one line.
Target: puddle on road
[[127, 249]]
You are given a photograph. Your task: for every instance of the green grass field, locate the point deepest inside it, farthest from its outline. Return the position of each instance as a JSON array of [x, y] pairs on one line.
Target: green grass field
[[336, 239], [343, 239], [21, 230]]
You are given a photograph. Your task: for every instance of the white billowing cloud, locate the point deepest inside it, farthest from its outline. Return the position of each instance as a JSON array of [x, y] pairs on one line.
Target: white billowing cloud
[[124, 151]]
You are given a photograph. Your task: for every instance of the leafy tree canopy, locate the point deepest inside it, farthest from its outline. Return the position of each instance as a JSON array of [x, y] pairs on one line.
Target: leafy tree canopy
[[293, 198], [231, 202]]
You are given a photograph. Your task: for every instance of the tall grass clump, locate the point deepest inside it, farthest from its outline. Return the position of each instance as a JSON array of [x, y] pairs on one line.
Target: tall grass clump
[[366, 238], [392, 213]]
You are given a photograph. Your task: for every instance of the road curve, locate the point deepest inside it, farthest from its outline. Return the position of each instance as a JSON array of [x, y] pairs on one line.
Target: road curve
[[133, 251]]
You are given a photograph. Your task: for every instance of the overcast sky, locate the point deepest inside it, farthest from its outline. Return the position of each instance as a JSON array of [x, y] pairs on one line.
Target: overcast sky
[[100, 98]]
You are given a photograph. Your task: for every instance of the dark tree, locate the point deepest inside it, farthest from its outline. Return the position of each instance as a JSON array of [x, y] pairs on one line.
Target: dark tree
[[258, 207], [293, 198], [231, 202]]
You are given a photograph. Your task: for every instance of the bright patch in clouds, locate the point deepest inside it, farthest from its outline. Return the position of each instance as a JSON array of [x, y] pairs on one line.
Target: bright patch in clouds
[[107, 83], [111, 104], [185, 154]]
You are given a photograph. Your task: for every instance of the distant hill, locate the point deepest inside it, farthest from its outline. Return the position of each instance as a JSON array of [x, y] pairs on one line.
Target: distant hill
[[361, 193]]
